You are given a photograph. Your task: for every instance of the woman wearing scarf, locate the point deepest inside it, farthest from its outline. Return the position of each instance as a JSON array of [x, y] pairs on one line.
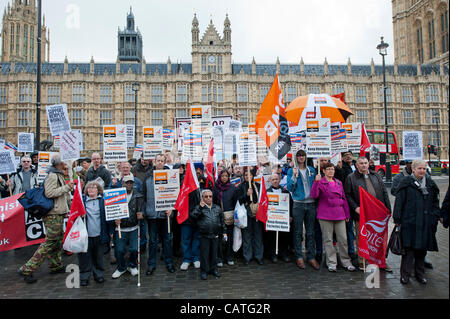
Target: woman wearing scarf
[[225, 196], [416, 212]]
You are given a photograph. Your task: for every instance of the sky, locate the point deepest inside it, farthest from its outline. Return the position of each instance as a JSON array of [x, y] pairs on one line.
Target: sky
[[263, 29]]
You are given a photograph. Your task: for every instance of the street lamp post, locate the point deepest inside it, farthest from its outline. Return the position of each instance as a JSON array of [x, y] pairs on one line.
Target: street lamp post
[[38, 80], [438, 151], [135, 88], [382, 48]]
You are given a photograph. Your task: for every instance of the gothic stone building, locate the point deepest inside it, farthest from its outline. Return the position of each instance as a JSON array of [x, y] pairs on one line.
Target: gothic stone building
[[101, 93]]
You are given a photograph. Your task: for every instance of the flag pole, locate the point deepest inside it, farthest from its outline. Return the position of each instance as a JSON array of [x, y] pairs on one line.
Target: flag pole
[[276, 244], [118, 226], [10, 191], [168, 224], [139, 256]]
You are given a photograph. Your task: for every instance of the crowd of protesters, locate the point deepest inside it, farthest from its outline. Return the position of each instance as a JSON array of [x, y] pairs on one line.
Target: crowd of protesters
[[324, 213]]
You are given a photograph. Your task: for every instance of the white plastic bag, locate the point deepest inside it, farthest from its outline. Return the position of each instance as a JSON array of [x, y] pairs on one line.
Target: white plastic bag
[[237, 238], [77, 239], [240, 215]]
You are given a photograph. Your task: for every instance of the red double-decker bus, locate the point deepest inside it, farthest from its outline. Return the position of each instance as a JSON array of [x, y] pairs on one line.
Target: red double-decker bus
[[378, 140]]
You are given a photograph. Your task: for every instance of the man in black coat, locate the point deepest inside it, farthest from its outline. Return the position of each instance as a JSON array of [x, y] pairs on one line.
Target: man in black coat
[[373, 184], [98, 170], [444, 210], [210, 223]]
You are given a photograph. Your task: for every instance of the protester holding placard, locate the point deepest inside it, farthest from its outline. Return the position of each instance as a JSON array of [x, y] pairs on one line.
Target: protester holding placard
[[157, 222], [98, 170], [59, 191], [373, 184], [142, 169], [284, 237], [332, 213], [125, 170], [24, 179], [97, 227], [252, 241], [225, 196], [417, 212], [129, 231], [300, 180]]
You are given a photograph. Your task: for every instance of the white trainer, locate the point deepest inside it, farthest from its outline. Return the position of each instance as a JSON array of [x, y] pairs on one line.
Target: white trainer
[[133, 271], [197, 264], [351, 268], [219, 264], [184, 266], [230, 263], [118, 273]]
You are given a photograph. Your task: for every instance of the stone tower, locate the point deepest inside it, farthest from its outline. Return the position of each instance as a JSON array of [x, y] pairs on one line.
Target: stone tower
[[130, 42], [19, 29]]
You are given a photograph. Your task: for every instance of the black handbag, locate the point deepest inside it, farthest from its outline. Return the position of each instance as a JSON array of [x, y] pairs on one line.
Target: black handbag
[[395, 242]]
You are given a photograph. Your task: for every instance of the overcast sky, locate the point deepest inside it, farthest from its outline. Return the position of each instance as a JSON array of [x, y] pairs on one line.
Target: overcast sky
[[265, 29]]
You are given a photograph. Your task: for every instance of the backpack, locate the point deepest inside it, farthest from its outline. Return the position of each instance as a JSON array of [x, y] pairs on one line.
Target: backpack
[[35, 202]]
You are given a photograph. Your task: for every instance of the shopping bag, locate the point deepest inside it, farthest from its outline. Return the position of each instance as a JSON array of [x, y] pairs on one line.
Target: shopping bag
[[77, 239], [395, 242], [240, 215], [237, 238]]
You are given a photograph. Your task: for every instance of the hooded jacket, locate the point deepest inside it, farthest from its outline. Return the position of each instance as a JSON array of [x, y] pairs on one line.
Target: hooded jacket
[[56, 188], [295, 184], [17, 181]]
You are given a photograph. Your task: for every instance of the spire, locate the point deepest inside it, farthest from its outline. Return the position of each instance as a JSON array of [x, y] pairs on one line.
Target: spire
[[253, 66], [302, 67], [325, 66], [349, 66], [169, 66], [372, 67], [227, 30], [195, 30], [278, 65]]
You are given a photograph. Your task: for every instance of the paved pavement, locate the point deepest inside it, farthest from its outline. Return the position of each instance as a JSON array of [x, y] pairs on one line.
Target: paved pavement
[[274, 281]]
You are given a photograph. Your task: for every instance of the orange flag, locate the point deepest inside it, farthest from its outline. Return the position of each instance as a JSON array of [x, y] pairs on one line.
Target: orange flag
[[271, 124]]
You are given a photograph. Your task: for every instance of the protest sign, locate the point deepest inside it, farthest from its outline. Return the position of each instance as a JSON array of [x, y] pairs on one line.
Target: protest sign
[[168, 139], [116, 204], [231, 145], [353, 131], [56, 142], [335, 158], [247, 150], [138, 151], [167, 187], [298, 141], [114, 144], [338, 139], [318, 138], [25, 142], [261, 147], [44, 162], [201, 112], [58, 119], [17, 227], [412, 145], [218, 137], [10, 147], [7, 162], [153, 141], [192, 147], [2, 143], [278, 212], [130, 136], [70, 146]]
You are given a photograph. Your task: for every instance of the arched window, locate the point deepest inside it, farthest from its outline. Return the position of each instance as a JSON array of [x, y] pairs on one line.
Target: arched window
[[11, 44], [17, 39], [444, 31], [419, 44], [431, 39]]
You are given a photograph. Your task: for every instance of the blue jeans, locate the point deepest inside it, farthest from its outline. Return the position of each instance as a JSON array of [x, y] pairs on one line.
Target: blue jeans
[[120, 245], [190, 243], [157, 227], [350, 237], [304, 213]]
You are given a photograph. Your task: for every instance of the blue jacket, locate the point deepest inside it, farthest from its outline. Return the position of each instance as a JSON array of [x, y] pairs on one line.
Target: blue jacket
[[104, 225], [295, 185], [138, 186]]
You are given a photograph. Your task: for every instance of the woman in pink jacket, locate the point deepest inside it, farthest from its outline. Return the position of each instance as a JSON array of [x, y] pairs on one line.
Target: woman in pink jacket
[[332, 213]]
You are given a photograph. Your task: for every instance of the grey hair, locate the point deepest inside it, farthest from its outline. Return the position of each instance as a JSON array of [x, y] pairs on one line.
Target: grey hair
[[418, 162], [56, 160], [205, 191]]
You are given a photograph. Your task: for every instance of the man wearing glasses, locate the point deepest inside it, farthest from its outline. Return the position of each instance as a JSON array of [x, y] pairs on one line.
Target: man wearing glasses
[[24, 179]]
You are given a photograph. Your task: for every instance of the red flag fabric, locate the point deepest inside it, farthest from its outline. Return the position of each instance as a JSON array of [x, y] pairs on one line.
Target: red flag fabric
[[261, 215], [190, 184], [271, 124], [373, 229], [17, 227], [77, 209], [340, 96], [365, 143], [210, 164]]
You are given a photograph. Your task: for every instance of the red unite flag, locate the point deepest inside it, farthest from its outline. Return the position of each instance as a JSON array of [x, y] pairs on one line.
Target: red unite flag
[[261, 215], [77, 209], [190, 184], [210, 164], [365, 143], [373, 229]]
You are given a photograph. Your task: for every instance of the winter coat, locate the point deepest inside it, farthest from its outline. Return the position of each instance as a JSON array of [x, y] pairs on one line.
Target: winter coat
[[342, 173], [135, 205], [229, 198], [101, 172], [332, 203], [138, 186], [209, 221], [356, 180], [56, 188], [244, 199], [444, 209], [295, 184], [17, 182], [149, 197], [397, 179], [417, 214], [104, 227], [141, 172]]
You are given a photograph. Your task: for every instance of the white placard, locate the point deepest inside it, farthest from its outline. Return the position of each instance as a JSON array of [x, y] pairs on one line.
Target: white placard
[[116, 203], [247, 150], [412, 144], [7, 162], [318, 138], [25, 142], [44, 162], [167, 187], [353, 131], [152, 141], [278, 212], [58, 119], [130, 136], [114, 143], [70, 146]]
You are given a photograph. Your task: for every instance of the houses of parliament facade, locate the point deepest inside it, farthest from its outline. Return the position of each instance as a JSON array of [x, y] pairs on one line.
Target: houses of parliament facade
[[100, 94]]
